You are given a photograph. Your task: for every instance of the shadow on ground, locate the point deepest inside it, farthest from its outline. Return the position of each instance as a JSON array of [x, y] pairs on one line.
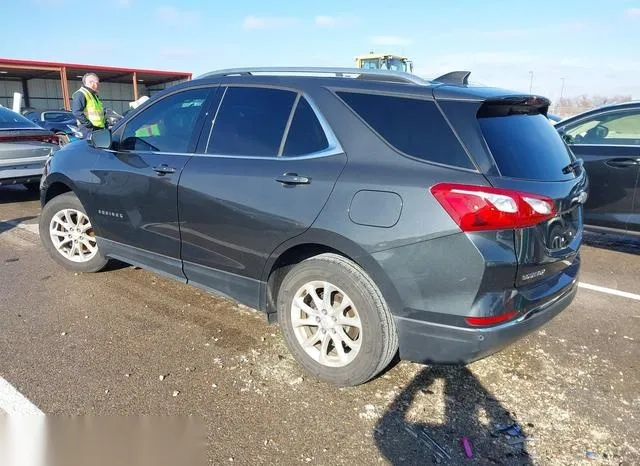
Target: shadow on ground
[[10, 224], [17, 193], [613, 242], [468, 407]]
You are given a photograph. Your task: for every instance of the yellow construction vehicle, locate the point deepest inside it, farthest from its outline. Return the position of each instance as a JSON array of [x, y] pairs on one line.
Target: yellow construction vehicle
[[384, 61]]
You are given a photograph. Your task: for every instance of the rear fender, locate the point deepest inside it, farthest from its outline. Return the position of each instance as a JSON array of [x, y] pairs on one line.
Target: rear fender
[[343, 246]]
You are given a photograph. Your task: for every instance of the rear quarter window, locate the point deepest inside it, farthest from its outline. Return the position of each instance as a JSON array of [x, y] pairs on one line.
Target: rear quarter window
[[414, 127]]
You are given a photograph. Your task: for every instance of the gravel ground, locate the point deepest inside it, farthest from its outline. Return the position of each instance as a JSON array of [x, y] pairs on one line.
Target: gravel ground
[[127, 342]]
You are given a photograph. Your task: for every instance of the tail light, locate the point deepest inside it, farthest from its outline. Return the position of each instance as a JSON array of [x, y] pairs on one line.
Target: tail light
[[50, 138], [491, 320], [478, 208]]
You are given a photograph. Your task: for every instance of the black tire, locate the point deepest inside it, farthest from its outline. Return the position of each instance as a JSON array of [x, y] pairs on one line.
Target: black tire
[[66, 201], [379, 342]]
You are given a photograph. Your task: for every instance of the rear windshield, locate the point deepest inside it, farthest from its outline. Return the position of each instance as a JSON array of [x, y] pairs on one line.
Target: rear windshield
[[526, 146], [57, 117], [12, 120]]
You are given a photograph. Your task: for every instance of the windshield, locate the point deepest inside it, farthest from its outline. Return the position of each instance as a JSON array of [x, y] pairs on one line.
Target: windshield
[[370, 64], [12, 120], [395, 64], [57, 117]]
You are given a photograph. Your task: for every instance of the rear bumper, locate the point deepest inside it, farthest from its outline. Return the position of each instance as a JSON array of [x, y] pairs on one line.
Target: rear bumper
[[24, 178], [427, 343], [27, 172]]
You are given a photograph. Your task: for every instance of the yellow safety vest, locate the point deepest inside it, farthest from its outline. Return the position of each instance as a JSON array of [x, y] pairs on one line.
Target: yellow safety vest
[[148, 130], [93, 110]]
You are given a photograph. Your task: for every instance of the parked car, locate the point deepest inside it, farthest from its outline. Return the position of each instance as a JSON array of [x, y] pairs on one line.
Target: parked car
[[53, 120], [24, 148], [366, 214], [608, 140]]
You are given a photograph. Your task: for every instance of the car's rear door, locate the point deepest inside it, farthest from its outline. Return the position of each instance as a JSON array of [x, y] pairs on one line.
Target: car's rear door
[[267, 167], [609, 144], [136, 199]]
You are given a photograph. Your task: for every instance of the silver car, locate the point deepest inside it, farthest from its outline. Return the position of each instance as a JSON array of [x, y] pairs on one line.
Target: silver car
[[24, 148]]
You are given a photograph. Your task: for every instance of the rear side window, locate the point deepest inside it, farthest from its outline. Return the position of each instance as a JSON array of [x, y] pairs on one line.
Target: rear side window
[[306, 135], [251, 121], [526, 146], [413, 126]]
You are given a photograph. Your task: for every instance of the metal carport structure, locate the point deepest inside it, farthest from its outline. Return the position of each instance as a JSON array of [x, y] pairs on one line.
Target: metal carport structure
[[49, 85]]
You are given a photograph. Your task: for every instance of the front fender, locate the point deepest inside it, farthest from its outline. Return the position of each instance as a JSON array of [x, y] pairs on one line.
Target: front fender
[[72, 167]]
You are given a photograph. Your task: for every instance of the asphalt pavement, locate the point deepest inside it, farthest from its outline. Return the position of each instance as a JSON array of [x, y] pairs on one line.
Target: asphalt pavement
[[126, 342]]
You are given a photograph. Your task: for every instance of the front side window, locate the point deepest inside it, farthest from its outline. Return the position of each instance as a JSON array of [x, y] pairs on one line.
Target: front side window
[[166, 126], [615, 128], [251, 121]]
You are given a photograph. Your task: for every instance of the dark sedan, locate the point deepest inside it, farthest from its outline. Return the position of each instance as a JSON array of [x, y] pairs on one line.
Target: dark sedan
[[608, 140], [56, 121]]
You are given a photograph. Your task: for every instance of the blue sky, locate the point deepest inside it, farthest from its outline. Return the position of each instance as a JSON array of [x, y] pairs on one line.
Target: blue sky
[[592, 44]]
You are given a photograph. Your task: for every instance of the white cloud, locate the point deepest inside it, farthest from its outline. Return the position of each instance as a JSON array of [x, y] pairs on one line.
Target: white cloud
[[390, 40], [173, 15], [632, 13], [268, 22], [333, 21], [124, 2]]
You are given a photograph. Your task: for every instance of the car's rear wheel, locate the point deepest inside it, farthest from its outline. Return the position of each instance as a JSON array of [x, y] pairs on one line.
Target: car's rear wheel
[[335, 320], [68, 236]]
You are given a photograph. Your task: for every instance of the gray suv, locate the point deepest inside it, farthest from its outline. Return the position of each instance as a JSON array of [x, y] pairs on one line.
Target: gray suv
[[370, 213]]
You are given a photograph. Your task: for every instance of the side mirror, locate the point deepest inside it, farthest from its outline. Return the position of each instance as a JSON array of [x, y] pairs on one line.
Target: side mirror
[[101, 139]]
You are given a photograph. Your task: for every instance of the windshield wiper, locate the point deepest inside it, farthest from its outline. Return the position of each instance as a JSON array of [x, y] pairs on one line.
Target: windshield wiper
[[572, 167]]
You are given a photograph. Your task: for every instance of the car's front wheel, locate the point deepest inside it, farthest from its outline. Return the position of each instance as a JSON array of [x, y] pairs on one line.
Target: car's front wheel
[[68, 236], [335, 320]]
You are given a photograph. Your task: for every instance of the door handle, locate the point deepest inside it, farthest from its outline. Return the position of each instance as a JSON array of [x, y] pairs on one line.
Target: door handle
[[164, 169], [623, 163], [293, 179]]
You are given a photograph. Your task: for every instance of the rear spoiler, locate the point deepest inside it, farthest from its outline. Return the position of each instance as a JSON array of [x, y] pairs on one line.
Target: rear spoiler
[[514, 105]]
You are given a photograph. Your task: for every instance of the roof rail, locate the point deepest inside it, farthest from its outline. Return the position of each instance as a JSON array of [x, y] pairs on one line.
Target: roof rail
[[375, 75], [455, 77]]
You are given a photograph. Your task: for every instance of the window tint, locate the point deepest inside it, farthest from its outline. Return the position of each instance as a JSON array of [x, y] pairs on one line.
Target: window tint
[[526, 146], [251, 121], [167, 125], [305, 134], [620, 128], [12, 120], [57, 117], [415, 127]]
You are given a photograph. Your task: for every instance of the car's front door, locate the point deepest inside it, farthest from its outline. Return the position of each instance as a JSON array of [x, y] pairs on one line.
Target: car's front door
[[609, 144], [267, 168], [137, 195]]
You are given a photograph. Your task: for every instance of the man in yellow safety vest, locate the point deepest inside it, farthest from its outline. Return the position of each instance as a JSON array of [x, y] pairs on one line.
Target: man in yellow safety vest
[[87, 106]]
